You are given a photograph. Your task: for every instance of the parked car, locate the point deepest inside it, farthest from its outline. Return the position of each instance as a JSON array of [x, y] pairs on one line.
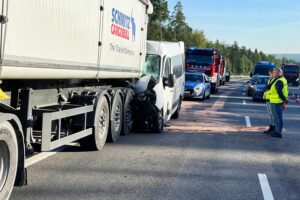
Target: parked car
[[250, 85], [259, 88], [197, 85]]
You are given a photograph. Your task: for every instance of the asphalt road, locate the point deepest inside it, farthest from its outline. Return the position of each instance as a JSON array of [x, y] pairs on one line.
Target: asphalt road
[[208, 153]]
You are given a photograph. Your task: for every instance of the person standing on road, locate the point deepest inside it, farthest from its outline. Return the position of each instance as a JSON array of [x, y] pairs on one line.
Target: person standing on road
[[269, 107], [278, 99]]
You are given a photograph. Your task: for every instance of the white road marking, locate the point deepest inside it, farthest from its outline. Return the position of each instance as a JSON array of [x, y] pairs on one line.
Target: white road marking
[[248, 123], [41, 156], [244, 102], [265, 187]]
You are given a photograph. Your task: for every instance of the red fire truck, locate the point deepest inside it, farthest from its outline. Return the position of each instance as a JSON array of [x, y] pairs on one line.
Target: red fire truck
[[208, 61]]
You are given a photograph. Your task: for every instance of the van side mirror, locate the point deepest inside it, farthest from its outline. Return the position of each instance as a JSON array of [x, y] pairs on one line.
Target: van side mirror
[[170, 81], [251, 74]]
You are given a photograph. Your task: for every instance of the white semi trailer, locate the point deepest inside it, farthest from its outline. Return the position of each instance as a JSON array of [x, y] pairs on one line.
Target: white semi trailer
[[67, 72]]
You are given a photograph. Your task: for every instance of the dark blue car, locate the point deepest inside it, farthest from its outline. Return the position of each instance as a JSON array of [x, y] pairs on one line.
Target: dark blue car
[[259, 88]]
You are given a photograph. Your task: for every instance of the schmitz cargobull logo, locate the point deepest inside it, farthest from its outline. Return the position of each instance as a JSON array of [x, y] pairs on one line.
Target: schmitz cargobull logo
[[122, 25]]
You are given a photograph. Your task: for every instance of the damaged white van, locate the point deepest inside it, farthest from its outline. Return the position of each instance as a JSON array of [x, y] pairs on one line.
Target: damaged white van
[[160, 90]]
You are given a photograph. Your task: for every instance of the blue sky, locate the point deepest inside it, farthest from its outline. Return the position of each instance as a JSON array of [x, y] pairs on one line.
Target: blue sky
[[272, 26]]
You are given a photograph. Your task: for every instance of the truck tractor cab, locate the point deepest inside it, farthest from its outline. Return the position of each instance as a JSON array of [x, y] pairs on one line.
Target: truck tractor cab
[[291, 73], [206, 60], [262, 68]]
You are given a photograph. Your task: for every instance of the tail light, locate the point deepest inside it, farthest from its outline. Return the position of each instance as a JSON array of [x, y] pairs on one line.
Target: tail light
[[187, 66], [212, 66]]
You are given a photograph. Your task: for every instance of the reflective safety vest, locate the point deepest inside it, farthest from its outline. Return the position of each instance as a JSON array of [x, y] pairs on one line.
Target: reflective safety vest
[[274, 97], [267, 93]]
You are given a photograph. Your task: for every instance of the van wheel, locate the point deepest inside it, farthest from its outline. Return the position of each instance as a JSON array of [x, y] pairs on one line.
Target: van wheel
[[8, 159], [100, 129], [158, 123], [176, 113], [128, 113], [116, 120]]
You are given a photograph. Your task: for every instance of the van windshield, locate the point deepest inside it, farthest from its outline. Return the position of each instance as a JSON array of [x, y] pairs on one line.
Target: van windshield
[[199, 59], [262, 69], [152, 66]]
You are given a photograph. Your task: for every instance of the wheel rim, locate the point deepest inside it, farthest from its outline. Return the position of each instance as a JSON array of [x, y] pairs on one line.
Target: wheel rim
[[102, 124], [117, 118], [4, 163]]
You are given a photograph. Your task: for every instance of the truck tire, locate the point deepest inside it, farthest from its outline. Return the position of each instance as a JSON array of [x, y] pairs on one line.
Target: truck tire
[[158, 123], [128, 113], [116, 120], [100, 129], [8, 159], [213, 90]]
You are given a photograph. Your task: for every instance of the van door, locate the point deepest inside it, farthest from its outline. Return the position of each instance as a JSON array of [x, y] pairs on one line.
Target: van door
[[178, 68], [168, 92], [3, 21]]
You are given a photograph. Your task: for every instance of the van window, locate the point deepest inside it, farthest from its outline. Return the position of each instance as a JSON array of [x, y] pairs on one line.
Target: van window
[[167, 67], [177, 62]]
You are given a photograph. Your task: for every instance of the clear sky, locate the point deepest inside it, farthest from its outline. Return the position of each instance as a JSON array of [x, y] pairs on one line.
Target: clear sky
[[271, 26]]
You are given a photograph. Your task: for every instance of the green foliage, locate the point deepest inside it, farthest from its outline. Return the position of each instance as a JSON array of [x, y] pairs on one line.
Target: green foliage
[[246, 64], [156, 26], [162, 26], [179, 29], [197, 39]]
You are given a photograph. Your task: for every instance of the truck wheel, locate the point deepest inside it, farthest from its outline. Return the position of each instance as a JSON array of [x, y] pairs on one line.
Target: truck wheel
[[128, 115], [101, 126], [213, 90], [116, 120], [158, 123], [8, 159]]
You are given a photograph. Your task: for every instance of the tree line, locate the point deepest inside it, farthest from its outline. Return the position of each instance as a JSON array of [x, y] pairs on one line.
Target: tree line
[[167, 26]]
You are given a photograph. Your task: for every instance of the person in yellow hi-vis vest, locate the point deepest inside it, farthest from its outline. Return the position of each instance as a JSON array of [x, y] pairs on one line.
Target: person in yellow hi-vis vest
[[278, 99], [266, 97]]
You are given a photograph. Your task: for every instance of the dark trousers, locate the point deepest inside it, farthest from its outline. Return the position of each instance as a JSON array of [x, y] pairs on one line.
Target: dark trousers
[[278, 117]]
